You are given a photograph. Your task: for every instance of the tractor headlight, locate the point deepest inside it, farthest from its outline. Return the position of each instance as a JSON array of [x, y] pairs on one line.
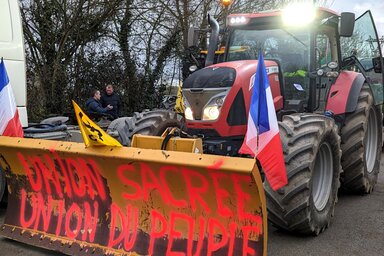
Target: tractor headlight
[[188, 110], [211, 113], [188, 113], [212, 109]]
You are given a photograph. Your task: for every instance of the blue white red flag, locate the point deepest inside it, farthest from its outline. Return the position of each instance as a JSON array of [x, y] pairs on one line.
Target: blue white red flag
[[9, 117], [262, 139]]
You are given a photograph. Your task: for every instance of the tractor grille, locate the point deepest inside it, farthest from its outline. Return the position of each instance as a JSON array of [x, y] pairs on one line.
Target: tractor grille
[[198, 98]]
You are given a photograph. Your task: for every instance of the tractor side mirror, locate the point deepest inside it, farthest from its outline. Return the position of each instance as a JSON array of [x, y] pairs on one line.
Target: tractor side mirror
[[347, 24], [377, 64]]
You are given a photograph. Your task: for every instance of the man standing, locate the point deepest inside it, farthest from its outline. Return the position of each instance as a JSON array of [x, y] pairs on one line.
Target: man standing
[[109, 97], [93, 104]]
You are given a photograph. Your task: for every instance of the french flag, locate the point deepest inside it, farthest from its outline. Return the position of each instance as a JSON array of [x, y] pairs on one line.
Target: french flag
[[9, 117], [262, 139]]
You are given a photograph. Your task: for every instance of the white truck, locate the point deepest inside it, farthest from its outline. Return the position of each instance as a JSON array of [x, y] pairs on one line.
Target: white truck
[[12, 51]]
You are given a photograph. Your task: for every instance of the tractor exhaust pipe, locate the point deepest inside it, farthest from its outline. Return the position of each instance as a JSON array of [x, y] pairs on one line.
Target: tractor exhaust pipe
[[213, 39]]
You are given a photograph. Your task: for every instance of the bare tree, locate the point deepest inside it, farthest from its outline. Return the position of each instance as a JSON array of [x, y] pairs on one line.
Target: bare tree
[[74, 45], [54, 31], [146, 40]]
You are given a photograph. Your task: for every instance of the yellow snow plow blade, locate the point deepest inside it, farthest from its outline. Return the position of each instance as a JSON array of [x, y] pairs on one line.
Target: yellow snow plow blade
[[174, 144], [131, 201]]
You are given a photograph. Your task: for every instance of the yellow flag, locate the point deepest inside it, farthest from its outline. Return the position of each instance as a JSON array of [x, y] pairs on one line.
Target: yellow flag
[[92, 134]]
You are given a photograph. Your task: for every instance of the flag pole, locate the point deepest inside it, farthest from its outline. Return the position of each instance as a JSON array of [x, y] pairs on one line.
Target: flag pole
[[258, 116]]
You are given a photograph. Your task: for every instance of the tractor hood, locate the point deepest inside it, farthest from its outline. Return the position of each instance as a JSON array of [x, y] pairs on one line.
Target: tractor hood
[[225, 75], [211, 77], [218, 96]]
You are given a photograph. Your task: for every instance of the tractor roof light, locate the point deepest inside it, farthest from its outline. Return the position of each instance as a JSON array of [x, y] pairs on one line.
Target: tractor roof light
[[237, 20], [299, 14]]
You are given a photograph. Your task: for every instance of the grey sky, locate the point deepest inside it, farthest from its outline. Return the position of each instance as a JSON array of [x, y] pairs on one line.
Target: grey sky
[[359, 7]]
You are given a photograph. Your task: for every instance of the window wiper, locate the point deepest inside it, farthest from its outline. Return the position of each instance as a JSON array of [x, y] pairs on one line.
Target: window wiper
[[297, 39]]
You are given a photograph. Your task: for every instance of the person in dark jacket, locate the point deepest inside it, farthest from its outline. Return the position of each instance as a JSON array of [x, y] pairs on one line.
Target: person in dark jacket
[[109, 97], [93, 104]]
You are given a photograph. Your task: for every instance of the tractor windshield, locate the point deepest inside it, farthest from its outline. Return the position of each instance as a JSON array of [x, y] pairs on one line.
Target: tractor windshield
[[289, 47]]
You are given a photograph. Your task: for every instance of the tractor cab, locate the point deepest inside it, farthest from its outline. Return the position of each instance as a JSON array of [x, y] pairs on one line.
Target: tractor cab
[[299, 46]]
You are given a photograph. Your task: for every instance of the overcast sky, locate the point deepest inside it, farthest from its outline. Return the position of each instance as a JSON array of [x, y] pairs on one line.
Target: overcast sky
[[360, 6]]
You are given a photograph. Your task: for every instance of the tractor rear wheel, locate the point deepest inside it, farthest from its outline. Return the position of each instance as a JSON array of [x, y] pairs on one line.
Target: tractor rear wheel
[[361, 141], [153, 122], [311, 147]]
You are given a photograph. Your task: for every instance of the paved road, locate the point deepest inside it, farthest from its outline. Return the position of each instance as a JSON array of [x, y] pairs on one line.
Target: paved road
[[357, 229]]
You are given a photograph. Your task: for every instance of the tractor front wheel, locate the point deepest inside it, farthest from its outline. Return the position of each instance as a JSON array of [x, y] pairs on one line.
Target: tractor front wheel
[[311, 147]]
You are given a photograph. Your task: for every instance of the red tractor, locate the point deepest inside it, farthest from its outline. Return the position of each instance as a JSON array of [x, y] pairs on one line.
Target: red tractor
[[326, 78], [327, 83]]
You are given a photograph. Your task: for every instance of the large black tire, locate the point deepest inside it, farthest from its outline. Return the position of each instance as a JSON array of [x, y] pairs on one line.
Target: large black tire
[[153, 122], [121, 129], [312, 154], [361, 142]]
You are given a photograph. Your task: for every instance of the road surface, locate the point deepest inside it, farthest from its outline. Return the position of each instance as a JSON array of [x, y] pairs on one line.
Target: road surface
[[357, 229]]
